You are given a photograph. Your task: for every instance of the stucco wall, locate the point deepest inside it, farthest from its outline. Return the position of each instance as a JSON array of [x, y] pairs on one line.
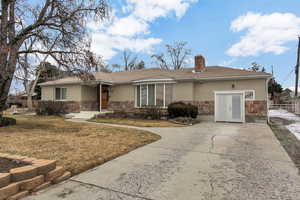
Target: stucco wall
[[205, 91], [183, 91], [88, 93], [122, 93], [73, 92], [47, 93]]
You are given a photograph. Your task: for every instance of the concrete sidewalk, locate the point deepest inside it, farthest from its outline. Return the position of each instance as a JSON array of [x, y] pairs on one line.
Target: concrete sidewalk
[[205, 161]]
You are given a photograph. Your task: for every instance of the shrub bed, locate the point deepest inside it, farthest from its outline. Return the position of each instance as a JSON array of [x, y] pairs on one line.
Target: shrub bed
[[51, 108], [6, 121], [181, 109], [151, 113]]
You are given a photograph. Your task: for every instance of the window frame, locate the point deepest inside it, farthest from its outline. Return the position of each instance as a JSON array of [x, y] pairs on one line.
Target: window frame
[[253, 98], [60, 94], [155, 95]]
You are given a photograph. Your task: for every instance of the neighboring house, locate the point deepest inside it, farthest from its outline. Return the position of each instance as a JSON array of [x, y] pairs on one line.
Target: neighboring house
[[286, 96], [20, 99], [228, 94]]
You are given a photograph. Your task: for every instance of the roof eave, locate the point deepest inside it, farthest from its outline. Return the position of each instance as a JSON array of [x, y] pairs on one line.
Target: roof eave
[[77, 82]]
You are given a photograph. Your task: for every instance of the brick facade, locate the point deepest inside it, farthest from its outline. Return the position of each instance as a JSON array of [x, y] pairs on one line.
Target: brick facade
[[252, 108], [72, 106], [89, 106], [126, 106], [205, 107], [256, 108]]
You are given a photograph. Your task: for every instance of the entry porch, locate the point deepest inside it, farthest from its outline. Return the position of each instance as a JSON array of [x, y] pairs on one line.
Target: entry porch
[[95, 97]]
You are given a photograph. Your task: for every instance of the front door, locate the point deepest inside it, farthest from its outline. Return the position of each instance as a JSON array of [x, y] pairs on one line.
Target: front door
[[104, 97], [229, 107]]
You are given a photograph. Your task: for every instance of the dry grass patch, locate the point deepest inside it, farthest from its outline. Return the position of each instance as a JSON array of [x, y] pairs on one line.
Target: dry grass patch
[[76, 146], [137, 122]]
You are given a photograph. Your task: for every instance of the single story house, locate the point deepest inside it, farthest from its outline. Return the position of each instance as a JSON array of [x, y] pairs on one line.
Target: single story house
[[227, 94]]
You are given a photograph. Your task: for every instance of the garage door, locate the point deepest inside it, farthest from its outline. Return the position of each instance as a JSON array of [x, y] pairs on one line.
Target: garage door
[[230, 106]]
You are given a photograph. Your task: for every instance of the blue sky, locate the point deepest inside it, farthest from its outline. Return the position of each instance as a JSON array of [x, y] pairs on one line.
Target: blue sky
[[232, 32]]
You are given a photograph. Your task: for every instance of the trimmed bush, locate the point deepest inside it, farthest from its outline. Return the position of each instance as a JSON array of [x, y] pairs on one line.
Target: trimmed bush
[[181, 109], [51, 108], [6, 121], [192, 111]]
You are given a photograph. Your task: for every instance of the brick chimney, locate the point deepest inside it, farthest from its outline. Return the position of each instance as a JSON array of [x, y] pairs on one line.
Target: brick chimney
[[199, 63]]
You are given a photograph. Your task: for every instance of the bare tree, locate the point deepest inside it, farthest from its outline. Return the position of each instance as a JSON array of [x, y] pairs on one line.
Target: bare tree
[[129, 60], [175, 57], [30, 73], [46, 20]]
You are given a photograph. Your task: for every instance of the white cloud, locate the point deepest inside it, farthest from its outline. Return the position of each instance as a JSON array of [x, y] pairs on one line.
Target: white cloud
[[108, 45], [149, 10], [264, 33], [132, 30], [128, 26]]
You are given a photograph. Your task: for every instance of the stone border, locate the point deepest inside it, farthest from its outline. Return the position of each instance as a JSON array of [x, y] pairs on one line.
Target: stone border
[[21, 181]]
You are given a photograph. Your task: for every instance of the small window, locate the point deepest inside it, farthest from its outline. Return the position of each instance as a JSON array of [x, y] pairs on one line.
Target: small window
[[249, 95], [60, 93]]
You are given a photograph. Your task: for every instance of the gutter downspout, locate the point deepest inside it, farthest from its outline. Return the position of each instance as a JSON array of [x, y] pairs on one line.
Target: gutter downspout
[[267, 89]]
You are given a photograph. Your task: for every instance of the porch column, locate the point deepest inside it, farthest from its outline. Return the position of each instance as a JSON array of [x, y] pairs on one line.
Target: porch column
[[100, 100]]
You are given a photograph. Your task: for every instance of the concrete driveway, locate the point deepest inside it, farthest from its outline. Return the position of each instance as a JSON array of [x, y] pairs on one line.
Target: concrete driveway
[[206, 161]]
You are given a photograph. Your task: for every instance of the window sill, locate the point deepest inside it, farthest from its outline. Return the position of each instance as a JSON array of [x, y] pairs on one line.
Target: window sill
[[149, 107]]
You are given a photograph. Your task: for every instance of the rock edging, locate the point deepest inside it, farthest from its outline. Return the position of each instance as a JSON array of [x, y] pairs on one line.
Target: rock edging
[[21, 181]]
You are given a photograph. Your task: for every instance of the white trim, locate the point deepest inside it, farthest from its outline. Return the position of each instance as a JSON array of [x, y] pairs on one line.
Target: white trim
[[164, 105], [153, 80], [268, 105], [100, 88], [150, 83], [229, 92], [242, 92], [147, 96], [140, 96], [154, 94], [135, 97]]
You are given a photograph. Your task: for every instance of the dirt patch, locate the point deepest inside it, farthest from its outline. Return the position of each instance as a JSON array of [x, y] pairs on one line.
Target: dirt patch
[[287, 139], [7, 164]]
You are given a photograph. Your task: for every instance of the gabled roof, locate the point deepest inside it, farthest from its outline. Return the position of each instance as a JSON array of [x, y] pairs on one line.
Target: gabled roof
[[210, 73]]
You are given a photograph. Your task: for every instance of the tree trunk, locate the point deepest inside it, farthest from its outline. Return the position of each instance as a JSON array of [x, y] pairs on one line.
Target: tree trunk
[[8, 50], [29, 102], [7, 70], [5, 82]]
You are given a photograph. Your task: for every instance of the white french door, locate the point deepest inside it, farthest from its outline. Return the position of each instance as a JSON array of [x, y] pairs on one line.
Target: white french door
[[230, 106]]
